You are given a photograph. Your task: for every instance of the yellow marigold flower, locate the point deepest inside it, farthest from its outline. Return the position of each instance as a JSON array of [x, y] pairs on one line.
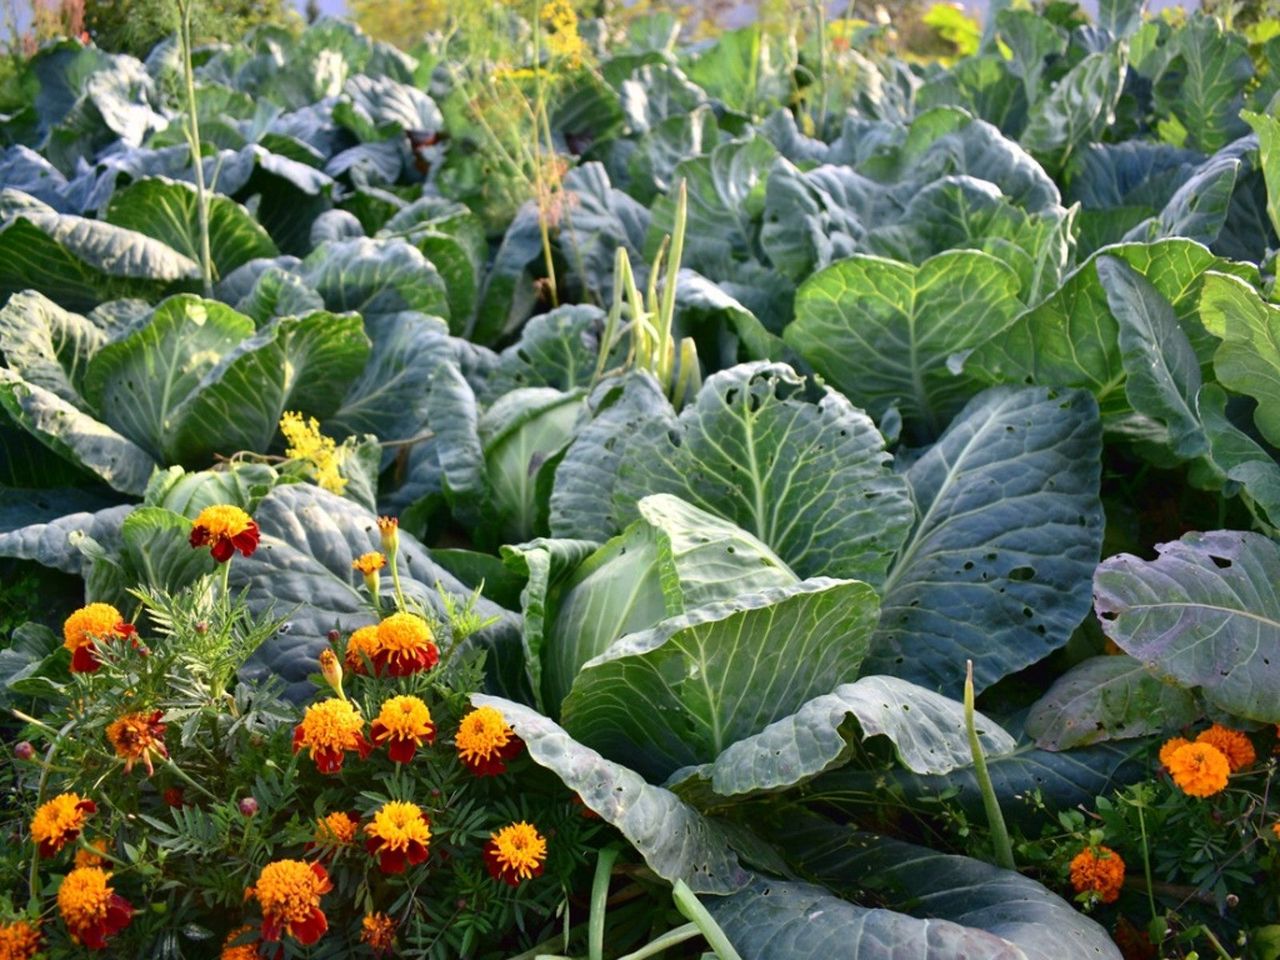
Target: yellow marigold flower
[[91, 909], [1234, 745], [87, 858], [515, 853], [405, 646], [136, 736], [289, 892], [306, 442], [1199, 770], [19, 940], [485, 742], [404, 724], [399, 835], [88, 626], [1170, 747], [328, 730], [1101, 873], [224, 529], [59, 821], [339, 827], [378, 933], [239, 946], [361, 646], [369, 563]]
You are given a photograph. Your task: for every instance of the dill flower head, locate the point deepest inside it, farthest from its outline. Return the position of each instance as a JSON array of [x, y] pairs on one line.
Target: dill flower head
[[1169, 748], [289, 892], [136, 736], [398, 835], [378, 933], [91, 908], [485, 742], [563, 38], [405, 646], [88, 626], [1232, 744], [1199, 770], [515, 853], [224, 529], [59, 821], [1100, 873], [19, 940], [329, 729], [307, 443], [88, 858], [403, 724], [240, 944], [369, 563], [361, 646]]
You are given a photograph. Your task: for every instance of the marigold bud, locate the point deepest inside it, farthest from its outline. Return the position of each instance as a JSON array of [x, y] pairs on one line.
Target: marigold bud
[[334, 636], [389, 528], [331, 669], [24, 750], [248, 806]]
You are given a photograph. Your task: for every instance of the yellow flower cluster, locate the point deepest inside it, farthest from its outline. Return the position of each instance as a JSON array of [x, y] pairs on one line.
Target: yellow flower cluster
[[306, 442], [563, 39]]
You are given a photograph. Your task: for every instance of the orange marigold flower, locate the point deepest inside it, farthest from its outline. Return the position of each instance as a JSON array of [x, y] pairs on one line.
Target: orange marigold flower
[[329, 729], [515, 853], [1275, 828], [1169, 748], [88, 626], [378, 933], [399, 834], [485, 742], [91, 908], [59, 821], [369, 563], [404, 724], [1101, 873], [1232, 744], [389, 531], [240, 944], [225, 529], [1199, 770], [136, 736], [361, 646], [88, 858], [335, 830], [405, 646], [19, 940], [289, 892]]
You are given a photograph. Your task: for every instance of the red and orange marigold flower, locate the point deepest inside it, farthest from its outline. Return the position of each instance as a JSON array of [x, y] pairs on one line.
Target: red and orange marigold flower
[[399, 835], [378, 933], [241, 944], [515, 853], [1232, 744], [289, 892], [1099, 872], [89, 626], [19, 940], [361, 646], [94, 857], [404, 646], [1199, 769], [138, 736], [334, 830], [224, 529], [403, 724], [328, 730], [91, 908], [59, 821], [485, 743]]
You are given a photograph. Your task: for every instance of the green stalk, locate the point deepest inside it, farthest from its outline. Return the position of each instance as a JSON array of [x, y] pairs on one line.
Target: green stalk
[[614, 319], [666, 316], [995, 818], [820, 12], [1146, 858], [669, 939], [692, 909], [599, 902], [193, 141]]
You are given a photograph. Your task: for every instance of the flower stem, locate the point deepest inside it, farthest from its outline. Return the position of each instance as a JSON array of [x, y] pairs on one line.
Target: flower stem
[[995, 818], [599, 898], [691, 907], [669, 939]]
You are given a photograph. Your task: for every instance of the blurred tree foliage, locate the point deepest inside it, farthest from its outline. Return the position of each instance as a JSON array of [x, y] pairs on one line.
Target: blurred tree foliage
[[135, 26]]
